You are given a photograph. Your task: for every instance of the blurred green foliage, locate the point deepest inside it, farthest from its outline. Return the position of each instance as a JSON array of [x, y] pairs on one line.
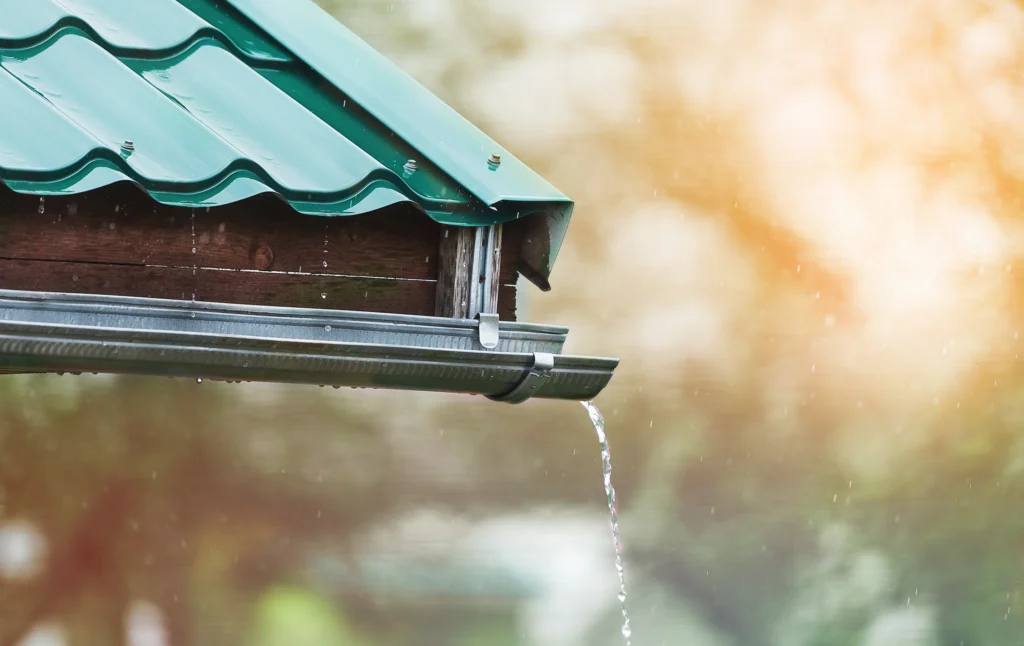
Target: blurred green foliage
[[298, 617]]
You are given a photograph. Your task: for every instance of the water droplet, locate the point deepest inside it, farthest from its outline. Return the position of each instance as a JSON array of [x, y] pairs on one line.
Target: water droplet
[[42, 205], [199, 380], [193, 249], [327, 327], [325, 263], [323, 295]]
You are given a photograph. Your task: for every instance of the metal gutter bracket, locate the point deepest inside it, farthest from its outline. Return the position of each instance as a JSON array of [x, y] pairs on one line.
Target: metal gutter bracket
[[537, 376], [484, 270], [488, 330]]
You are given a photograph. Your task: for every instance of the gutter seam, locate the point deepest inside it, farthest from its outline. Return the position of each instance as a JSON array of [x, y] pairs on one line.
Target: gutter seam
[[536, 376]]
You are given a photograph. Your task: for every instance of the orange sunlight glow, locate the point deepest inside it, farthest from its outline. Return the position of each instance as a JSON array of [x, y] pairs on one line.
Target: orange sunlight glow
[[875, 125], [887, 137]]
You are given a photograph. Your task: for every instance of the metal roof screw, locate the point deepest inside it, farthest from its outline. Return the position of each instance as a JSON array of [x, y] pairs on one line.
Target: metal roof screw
[[128, 146], [494, 160], [410, 166]]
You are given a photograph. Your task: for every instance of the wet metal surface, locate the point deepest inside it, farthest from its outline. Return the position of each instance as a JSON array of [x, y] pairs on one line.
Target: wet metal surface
[[75, 333]]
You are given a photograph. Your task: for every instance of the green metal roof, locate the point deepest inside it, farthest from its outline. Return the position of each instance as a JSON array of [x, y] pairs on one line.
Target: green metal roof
[[226, 99]]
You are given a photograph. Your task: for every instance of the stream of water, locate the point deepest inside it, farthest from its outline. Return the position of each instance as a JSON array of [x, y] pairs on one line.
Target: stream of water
[[606, 461]]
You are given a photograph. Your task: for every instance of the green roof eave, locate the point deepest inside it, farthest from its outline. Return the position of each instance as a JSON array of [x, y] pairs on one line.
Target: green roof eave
[[396, 99], [428, 124]]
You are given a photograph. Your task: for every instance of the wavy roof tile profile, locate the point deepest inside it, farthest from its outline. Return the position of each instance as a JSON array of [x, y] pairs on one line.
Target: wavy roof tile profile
[[224, 100]]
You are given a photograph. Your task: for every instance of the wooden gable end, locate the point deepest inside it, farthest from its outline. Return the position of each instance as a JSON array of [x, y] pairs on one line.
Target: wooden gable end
[[119, 241]]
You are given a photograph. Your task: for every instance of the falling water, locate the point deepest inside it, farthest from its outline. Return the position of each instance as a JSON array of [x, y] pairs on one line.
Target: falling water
[[606, 460]]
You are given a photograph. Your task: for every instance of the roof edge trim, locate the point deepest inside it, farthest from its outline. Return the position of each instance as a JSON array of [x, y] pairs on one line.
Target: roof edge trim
[[400, 102]]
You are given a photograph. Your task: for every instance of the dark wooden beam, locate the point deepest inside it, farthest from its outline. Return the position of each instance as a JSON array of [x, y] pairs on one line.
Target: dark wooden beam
[[512, 234], [116, 228], [118, 241], [248, 287]]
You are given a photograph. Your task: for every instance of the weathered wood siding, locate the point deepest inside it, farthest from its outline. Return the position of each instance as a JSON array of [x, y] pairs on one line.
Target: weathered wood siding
[[119, 241]]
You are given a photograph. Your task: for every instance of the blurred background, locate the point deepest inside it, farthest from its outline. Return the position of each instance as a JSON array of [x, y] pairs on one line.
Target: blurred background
[[798, 224]]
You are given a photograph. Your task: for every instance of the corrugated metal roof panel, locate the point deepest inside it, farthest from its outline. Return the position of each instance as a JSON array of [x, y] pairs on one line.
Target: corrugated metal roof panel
[[225, 101]]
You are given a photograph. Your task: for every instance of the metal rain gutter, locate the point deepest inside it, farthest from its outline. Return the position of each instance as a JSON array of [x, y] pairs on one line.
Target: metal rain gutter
[[59, 332]]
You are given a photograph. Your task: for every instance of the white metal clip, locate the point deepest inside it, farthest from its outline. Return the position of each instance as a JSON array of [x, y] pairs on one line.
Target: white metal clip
[[488, 330]]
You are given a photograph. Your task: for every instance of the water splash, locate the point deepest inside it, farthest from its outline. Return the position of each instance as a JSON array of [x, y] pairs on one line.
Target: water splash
[[606, 461]]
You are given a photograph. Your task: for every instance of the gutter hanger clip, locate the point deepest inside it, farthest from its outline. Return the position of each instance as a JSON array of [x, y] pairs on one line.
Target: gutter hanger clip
[[537, 376], [488, 330]]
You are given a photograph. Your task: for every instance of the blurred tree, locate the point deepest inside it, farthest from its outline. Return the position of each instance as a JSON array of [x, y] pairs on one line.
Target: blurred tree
[[126, 477], [292, 616]]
